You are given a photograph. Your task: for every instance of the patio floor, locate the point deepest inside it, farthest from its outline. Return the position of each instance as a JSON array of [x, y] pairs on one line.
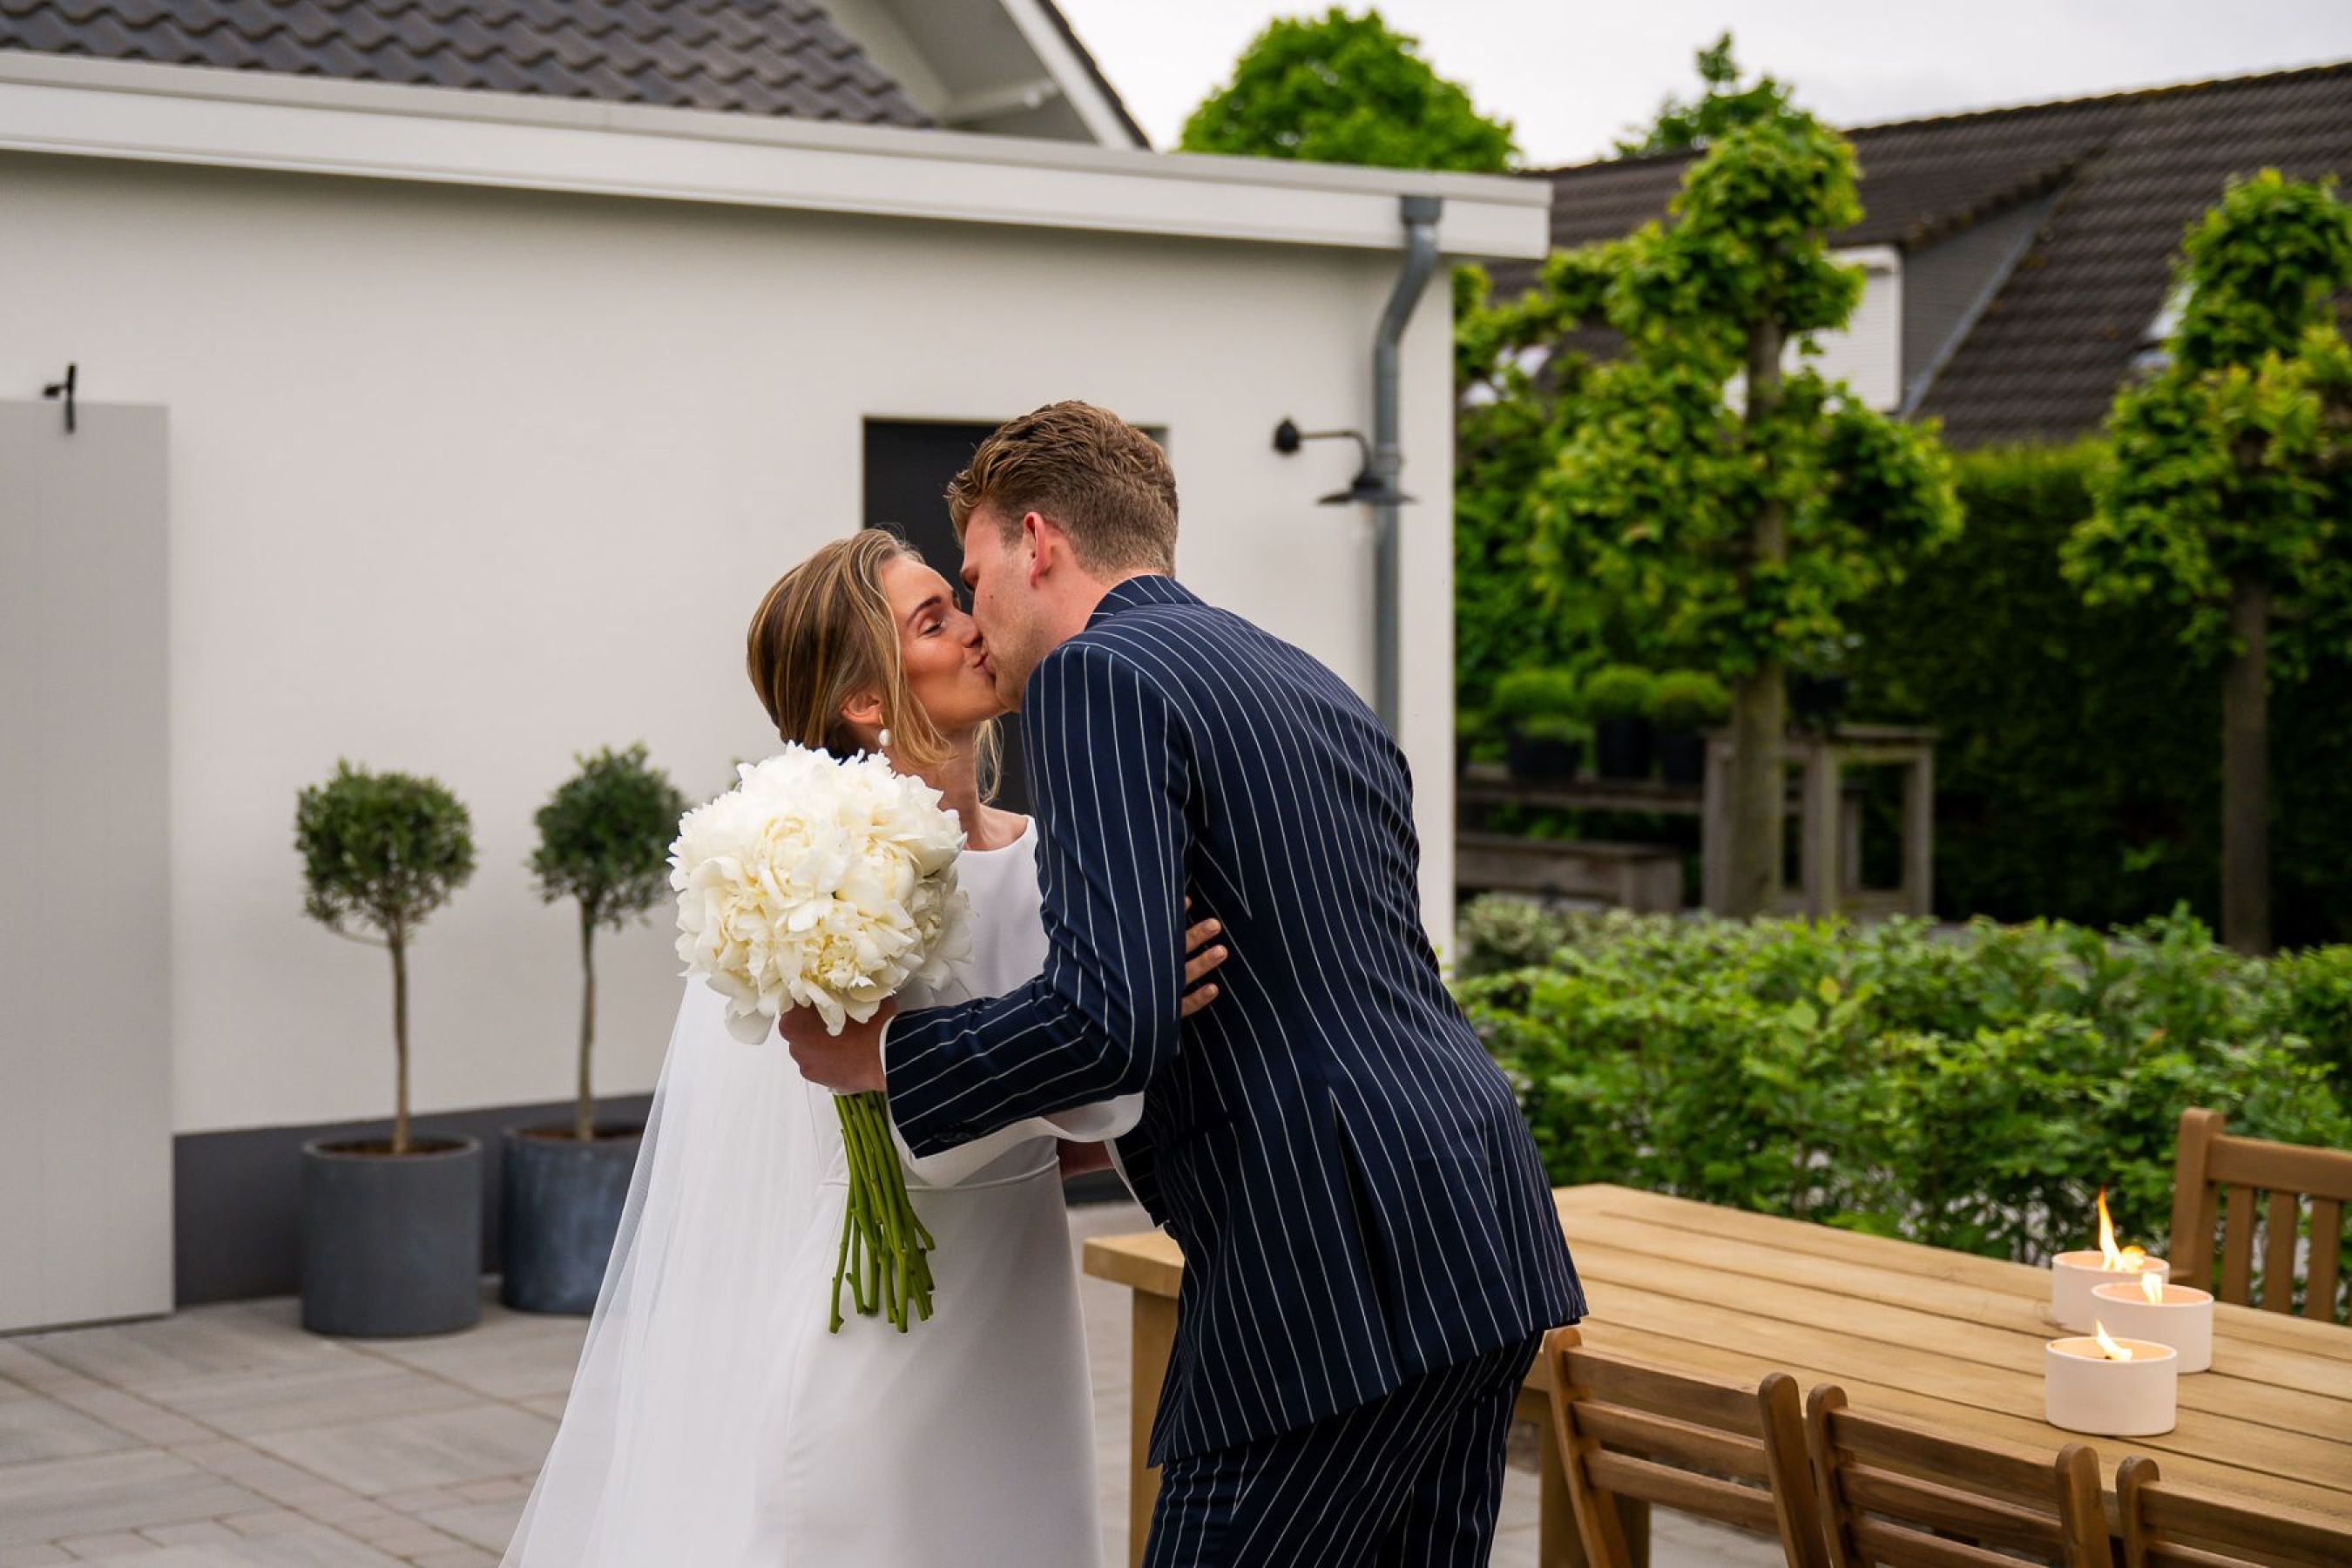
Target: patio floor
[[226, 1436]]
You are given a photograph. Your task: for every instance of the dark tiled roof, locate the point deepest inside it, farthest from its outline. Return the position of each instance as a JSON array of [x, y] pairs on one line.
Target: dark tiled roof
[[2131, 171], [750, 57]]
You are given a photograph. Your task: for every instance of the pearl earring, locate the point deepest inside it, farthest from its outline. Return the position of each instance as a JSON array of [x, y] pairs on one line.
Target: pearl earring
[[885, 737]]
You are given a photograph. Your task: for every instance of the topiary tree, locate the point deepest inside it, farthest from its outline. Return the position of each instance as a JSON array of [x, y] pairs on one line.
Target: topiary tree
[[2230, 492], [382, 851], [1691, 700], [604, 839], [1517, 394], [1620, 692], [1536, 692], [1722, 103], [1346, 90], [1735, 507]]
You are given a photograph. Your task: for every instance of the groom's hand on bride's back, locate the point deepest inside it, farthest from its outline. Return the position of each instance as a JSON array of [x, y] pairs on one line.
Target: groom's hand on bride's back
[[846, 1063]]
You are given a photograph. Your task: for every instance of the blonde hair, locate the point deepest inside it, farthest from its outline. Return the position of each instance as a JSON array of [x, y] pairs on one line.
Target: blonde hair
[[825, 635], [1107, 484]]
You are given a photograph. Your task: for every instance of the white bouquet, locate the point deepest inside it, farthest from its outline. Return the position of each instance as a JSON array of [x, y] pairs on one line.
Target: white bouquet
[[829, 883]]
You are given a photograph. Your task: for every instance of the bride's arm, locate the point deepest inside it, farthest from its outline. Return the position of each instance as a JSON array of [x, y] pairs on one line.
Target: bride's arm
[[1108, 1119], [1089, 1126]]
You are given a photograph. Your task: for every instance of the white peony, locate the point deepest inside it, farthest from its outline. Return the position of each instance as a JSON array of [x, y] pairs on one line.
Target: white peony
[[818, 882]]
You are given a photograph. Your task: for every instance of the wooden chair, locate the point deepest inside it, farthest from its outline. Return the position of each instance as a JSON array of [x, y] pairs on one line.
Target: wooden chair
[[1720, 1451], [2165, 1525], [1906, 1498], [2206, 1160]]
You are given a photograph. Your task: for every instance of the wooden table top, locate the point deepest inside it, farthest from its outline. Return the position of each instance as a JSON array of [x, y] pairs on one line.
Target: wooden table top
[[1944, 1338]]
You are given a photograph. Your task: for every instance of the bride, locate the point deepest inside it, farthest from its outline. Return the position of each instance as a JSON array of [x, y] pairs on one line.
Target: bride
[[713, 1421]]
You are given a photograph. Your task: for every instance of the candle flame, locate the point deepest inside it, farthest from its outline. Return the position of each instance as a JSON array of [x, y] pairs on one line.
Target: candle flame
[[2153, 1288], [2117, 1259], [2108, 1346]]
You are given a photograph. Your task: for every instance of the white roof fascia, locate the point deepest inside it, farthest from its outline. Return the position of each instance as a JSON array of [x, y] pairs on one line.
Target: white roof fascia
[[225, 119], [1077, 84], [1870, 257]]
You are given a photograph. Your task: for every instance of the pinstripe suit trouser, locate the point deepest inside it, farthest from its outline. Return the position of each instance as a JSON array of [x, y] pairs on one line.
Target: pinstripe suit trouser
[[1411, 1480]]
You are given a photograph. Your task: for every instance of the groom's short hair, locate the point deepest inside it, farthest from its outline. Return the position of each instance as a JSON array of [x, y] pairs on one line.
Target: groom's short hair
[[1105, 483]]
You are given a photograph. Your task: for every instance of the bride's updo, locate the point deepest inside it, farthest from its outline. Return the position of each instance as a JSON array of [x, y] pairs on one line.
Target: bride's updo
[[824, 635]]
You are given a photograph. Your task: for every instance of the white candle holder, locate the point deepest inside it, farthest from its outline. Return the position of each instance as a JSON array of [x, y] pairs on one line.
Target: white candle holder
[[2084, 1391], [2183, 1319], [2074, 1275]]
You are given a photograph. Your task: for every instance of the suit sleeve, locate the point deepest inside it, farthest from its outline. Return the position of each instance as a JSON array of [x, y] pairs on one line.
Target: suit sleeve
[[1110, 773]]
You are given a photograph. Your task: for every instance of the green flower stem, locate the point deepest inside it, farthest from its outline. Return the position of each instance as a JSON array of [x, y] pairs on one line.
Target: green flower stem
[[914, 1236], [884, 1242], [840, 1267]]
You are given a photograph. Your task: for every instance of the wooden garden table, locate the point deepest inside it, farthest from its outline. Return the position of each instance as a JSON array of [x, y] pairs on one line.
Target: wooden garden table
[[1945, 1339]]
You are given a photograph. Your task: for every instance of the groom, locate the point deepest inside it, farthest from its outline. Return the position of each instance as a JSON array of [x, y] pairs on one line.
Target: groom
[[1371, 1254]]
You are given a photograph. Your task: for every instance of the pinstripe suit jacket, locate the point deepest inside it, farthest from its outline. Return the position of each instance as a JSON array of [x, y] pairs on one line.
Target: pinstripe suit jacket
[[1346, 1169]]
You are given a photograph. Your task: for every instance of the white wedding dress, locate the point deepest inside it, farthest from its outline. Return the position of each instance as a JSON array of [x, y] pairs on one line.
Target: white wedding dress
[[713, 1422]]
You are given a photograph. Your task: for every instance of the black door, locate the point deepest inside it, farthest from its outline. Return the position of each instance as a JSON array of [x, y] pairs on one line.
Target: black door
[[908, 465]]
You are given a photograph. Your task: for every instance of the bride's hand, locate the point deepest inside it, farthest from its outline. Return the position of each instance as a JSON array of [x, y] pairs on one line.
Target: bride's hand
[[1202, 959]]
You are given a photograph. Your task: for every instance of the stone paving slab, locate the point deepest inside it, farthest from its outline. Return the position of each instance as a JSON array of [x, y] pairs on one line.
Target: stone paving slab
[[226, 1436]]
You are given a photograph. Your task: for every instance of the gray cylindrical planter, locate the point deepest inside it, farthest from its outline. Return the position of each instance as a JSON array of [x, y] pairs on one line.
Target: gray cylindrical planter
[[1623, 748], [559, 1205], [1681, 756], [392, 1244]]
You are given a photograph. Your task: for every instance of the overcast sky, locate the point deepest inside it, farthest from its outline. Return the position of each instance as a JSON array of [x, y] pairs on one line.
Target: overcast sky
[[1570, 74]]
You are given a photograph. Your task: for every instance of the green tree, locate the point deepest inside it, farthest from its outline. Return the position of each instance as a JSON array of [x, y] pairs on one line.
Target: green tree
[[382, 851], [1346, 90], [1700, 500], [1722, 103], [2230, 493], [603, 840]]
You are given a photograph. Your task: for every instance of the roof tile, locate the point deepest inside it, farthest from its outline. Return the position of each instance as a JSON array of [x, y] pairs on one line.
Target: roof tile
[[2132, 170], [752, 57]]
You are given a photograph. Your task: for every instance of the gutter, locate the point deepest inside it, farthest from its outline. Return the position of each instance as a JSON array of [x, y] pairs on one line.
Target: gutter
[[1419, 216]]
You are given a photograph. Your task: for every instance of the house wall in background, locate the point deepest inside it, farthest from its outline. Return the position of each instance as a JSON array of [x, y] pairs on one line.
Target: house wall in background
[[464, 481]]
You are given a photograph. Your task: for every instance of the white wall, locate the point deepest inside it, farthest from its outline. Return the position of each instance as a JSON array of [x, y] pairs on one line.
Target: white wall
[[1867, 352], [465, 481]]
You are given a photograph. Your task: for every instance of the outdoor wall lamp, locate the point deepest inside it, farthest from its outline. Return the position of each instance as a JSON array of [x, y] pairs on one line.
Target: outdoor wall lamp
[[1366, 489], [65, 389]]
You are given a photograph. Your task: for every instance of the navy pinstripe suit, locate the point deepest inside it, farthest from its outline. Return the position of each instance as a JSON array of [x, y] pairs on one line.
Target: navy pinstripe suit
[[1357, 1196]]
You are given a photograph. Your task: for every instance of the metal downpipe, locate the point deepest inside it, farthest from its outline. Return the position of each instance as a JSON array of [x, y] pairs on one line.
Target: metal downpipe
[[1420, 216]]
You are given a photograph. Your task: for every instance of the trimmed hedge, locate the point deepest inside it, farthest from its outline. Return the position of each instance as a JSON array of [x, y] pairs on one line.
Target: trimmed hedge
[[1971, 1091], [2079, 772]]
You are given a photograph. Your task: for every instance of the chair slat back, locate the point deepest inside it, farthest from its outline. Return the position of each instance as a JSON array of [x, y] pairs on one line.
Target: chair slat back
[[1897, 1496], [2175, 1526], [1724, 1452], [2218, 1176]]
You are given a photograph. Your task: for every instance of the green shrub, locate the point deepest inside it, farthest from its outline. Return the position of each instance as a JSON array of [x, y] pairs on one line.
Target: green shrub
[[2312, 1000], [1620, 692], [1556, 727], [1529, 692], [1691, 700], [2078, 772], [1971, 1090], [1499, 933]]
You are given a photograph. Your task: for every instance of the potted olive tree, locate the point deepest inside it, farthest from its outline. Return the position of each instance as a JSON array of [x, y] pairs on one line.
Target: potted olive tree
[[391, 1228], [1546, 736], [603, 842], [1618, 700], [1690, 702]]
